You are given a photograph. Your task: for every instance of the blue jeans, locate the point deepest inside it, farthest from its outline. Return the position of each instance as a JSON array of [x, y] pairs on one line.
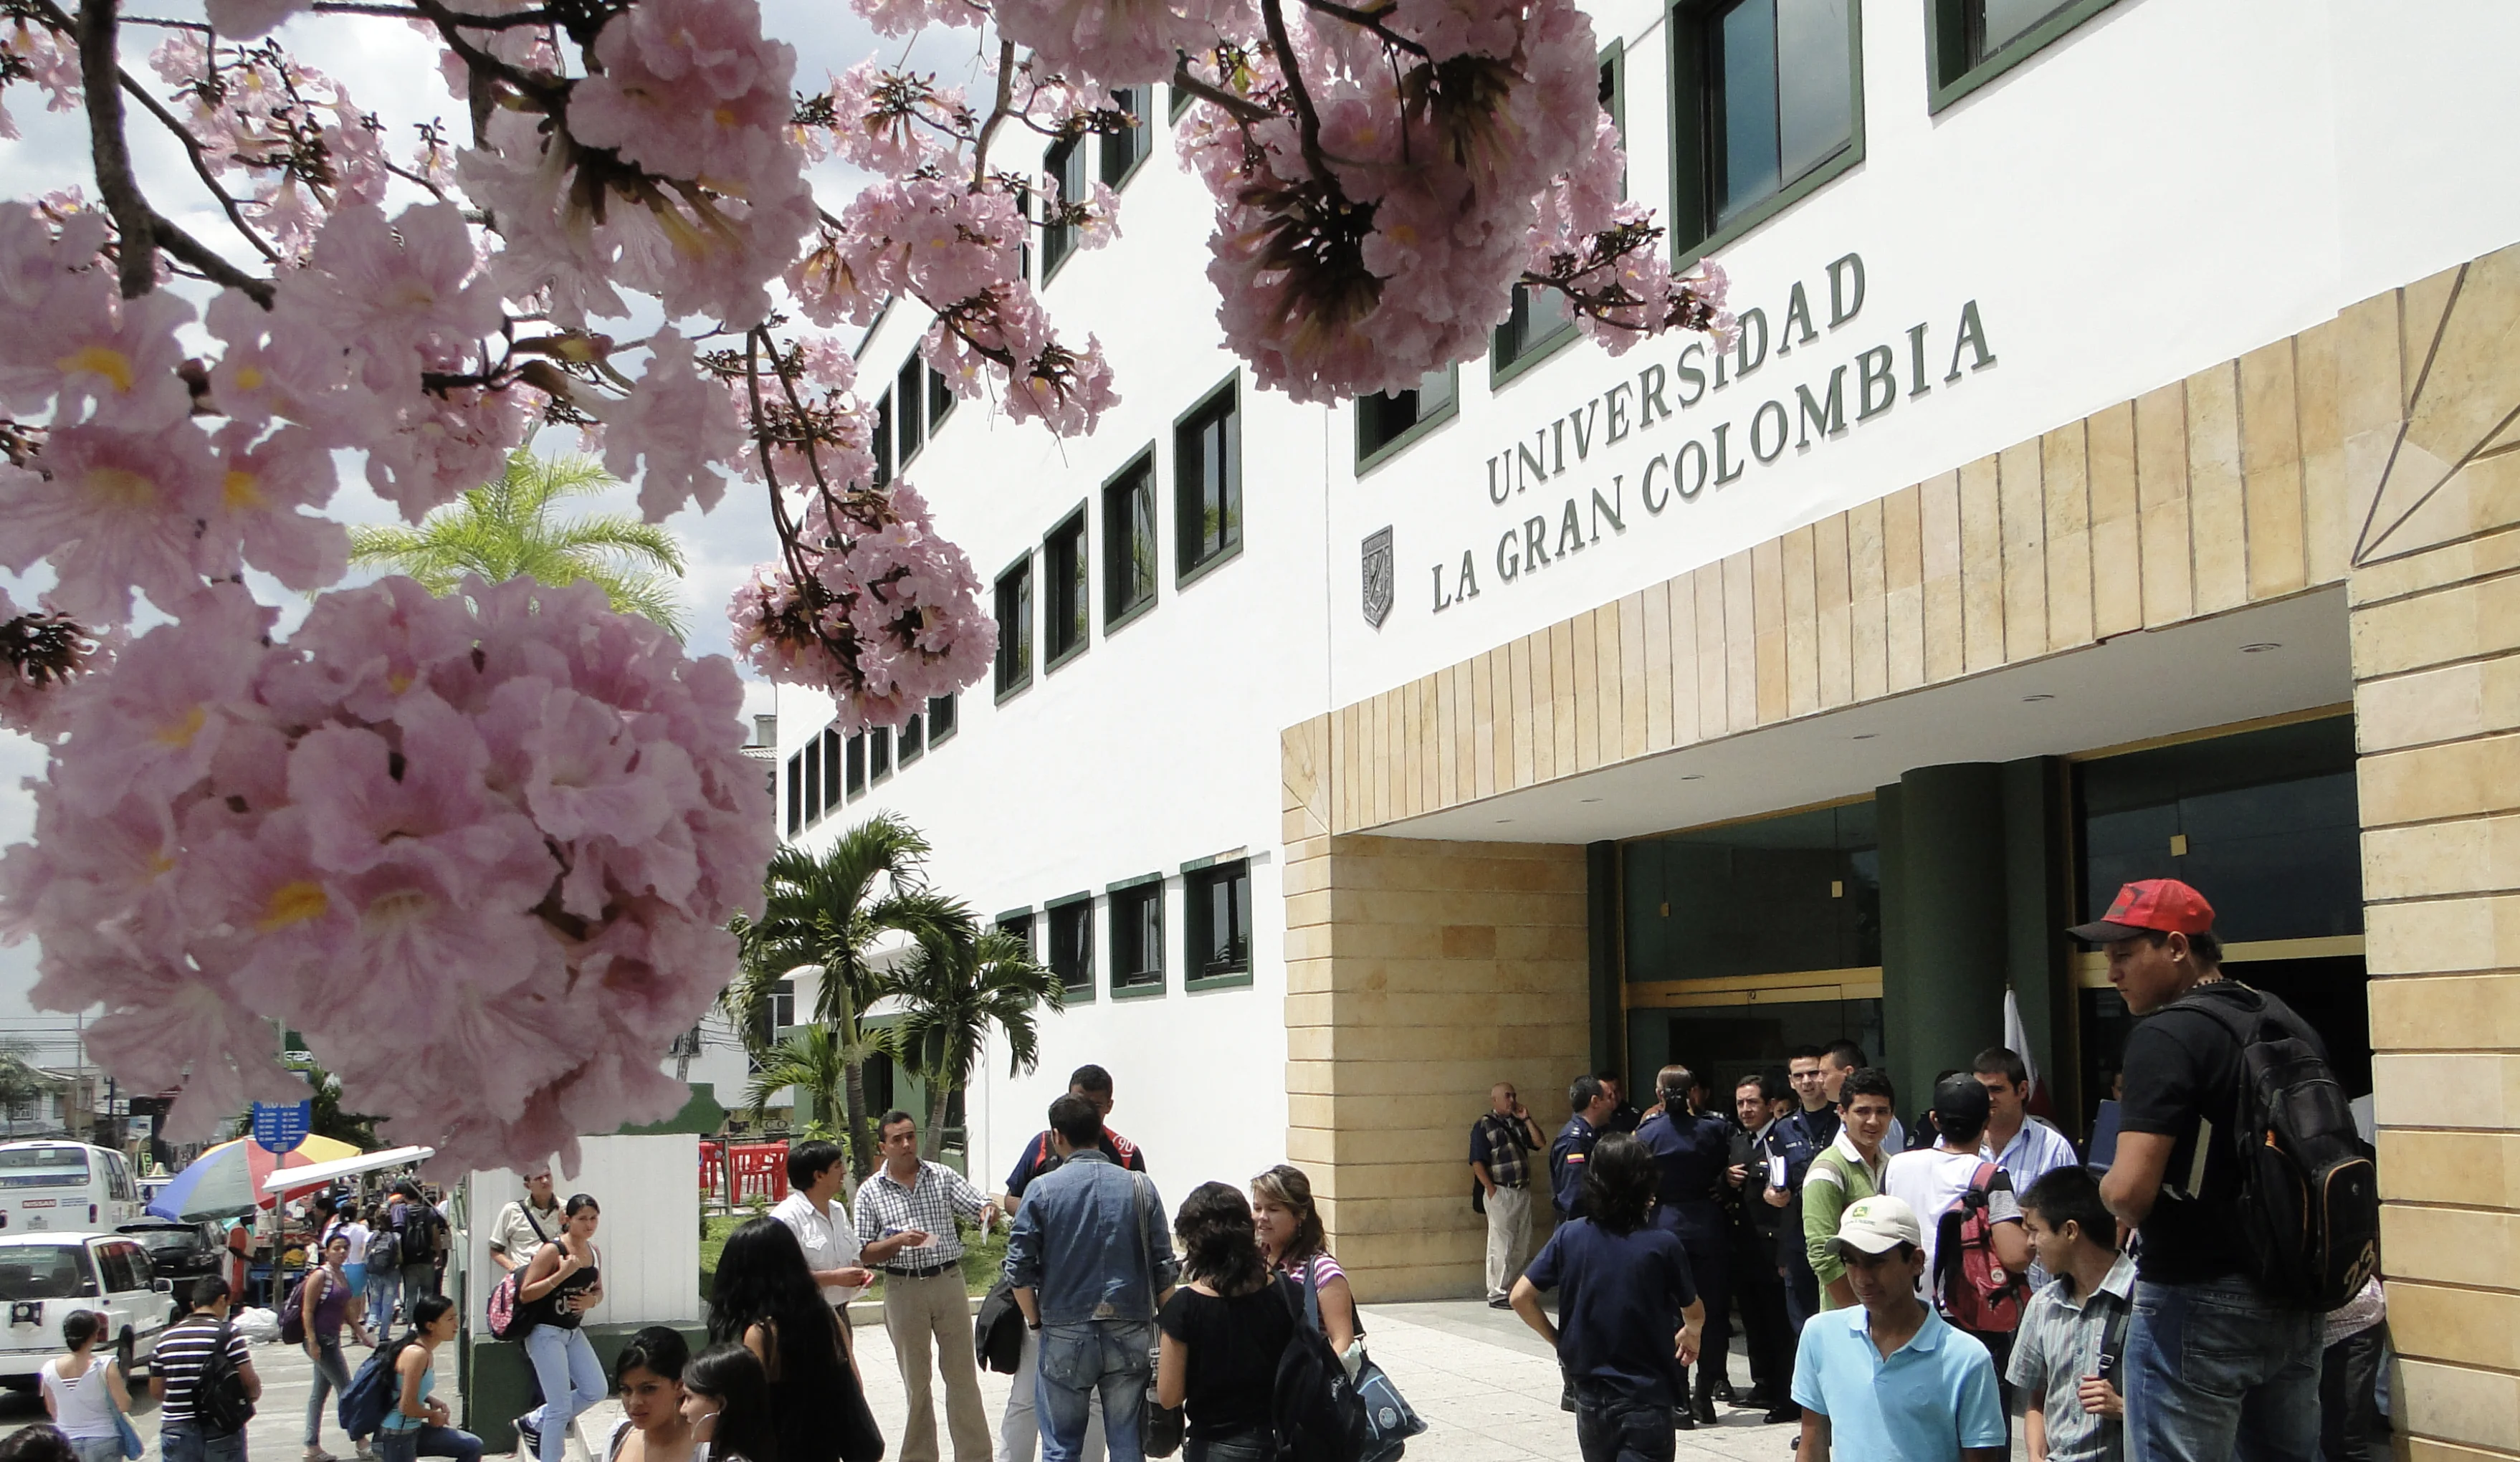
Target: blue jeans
[[182, 1441], [385, 1287], [1110, 1356], [2215, 1371], [571, 1378], [332, 1374], [1256, 1444], [1614, 1424], [412, 1443]]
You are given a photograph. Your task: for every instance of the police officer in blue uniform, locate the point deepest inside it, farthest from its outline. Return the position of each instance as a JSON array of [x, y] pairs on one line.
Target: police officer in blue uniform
[[1801, 1136], [1691, 1150], [1592, 1104]]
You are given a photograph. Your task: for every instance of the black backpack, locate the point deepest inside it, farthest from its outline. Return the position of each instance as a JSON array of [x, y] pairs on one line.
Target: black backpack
[[1319, 1417], [421, 1228], [219, 1401], [2310, 1196]]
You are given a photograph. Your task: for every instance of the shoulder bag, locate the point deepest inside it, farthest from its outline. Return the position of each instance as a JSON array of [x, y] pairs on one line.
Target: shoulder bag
[[132, 1445], [1389, 1419], [1160, 1428], [219, 1401]]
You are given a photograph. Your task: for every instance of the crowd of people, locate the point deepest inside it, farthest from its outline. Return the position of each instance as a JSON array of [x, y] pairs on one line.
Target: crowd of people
[[1913, 1297]]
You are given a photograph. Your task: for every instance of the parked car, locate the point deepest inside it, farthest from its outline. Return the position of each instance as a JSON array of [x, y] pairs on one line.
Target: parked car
[[180, 1252], [43, 1277]]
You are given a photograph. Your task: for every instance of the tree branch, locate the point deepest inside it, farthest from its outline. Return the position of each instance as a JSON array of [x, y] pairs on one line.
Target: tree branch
[[1241, 109], [217, 270], [200, 165], [997, 112], [1367, 19], [114, 184], [1308, 121]]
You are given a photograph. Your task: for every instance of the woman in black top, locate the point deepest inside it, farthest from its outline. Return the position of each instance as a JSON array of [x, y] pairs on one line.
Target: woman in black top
[[765, 1300], [560, 1286], [1224, 1331]]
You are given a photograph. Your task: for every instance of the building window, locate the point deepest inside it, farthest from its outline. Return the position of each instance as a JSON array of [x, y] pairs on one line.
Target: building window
[[1129, 542], [796, 794], [1071, 947], [1207, 484], [1017, 926], [1014, 628], [940, 719], [782, 1005], [1066, 598], [1065, 167], [910, 423], [1124, 150], [1770, 107], [879, 753], [880, 441], [830, 741], [1539, 320], [1797, 892], [1138, 936], [857, 764], [940, 401], [1389, 421], [813, 788], [1219, 901], [913, 739], [1974, 41]]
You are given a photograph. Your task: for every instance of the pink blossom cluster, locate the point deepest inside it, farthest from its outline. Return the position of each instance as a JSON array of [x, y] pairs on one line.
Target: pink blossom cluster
[[887, 617], [302, 141], [479, 850], [51, 62]]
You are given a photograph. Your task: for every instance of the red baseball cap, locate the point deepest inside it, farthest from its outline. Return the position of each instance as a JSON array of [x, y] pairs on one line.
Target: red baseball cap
[[2150, 905]]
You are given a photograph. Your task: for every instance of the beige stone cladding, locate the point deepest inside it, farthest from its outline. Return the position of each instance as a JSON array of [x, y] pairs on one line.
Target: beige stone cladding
[[1419, 973], [2380, 448], [2433, 443]]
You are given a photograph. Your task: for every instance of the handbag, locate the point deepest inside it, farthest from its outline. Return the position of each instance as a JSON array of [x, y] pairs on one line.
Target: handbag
[[132, 1445], [1160, 1428], [1390, 1421]]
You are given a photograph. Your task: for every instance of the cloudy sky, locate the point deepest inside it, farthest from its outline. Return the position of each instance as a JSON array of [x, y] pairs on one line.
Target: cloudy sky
[[391, 70]]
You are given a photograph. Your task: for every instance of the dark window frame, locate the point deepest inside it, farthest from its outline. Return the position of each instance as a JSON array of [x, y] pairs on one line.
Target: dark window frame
[[910, 426], [857, 769], [1055, 913], [1193, 562], [1140, 977], [1076, 528], [940, 401], [1013, 679], [1119, 543], [1951, 38], [880, 439], [1059, 240], [1142, 137], [939, 731], [1513, 348], [1370, 456], [831, 777], [879, 754], [1199, 879], [1694, 234], [814, 803], [796, 794]]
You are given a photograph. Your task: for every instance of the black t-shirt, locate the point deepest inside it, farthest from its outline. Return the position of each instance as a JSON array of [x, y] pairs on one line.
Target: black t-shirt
[[1620, 1299], [1235, 1345], [2182, 1065]]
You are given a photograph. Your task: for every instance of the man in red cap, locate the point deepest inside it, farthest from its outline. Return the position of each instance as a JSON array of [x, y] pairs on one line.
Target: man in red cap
[[2214, 1366]]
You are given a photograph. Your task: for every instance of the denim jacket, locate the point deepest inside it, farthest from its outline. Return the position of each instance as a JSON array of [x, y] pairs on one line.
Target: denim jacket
[[1075, 1243]]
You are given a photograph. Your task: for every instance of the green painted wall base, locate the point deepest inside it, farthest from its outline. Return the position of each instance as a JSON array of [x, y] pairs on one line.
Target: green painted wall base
[[498, 1380]]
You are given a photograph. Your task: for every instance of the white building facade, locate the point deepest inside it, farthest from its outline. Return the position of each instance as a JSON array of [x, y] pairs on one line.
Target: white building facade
[[2119, 382]]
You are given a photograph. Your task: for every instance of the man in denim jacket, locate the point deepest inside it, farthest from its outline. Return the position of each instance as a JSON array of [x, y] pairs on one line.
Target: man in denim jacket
[[1079, 1257]]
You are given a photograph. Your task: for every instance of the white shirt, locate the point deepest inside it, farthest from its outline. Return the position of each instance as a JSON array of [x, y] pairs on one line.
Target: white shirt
[[830, 1240], [1931, 1180], [85, 1406]]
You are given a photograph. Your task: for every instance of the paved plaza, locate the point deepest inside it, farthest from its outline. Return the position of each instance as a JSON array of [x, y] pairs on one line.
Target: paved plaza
[[1486, 1386]]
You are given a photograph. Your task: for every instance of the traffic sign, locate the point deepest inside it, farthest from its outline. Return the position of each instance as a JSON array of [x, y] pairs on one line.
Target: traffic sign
[[279, 1127]]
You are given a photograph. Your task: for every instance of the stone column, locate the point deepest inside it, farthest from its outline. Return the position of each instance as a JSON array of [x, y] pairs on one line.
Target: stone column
[[2427, 408], [1942, 986]]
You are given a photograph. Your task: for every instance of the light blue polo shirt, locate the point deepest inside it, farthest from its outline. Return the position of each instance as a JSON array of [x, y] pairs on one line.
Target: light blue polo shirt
[[1933, 1397]]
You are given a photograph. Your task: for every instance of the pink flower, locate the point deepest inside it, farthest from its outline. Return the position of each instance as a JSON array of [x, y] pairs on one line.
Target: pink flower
[[262, 485], [111, 512], [679, 421]]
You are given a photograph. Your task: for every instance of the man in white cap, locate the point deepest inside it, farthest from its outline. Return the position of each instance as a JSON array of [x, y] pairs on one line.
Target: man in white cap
[[1886, 1379]]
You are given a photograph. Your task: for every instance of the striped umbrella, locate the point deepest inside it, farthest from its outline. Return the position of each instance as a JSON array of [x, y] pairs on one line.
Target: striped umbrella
[[227, 1180]]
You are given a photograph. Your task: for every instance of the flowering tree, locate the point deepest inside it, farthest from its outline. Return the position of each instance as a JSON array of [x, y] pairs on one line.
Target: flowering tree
[[510, 821]]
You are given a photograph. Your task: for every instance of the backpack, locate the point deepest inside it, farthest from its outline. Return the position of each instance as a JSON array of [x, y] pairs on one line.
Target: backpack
[[373, 1391], [1970, 1284], [292, 1310], [510, 1317], [384, 1250], [219, 1401], [1318, 1416], [2310, 1196], [420, 1230]]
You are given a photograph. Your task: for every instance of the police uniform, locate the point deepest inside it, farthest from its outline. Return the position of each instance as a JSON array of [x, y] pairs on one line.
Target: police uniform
[[1800, 1137], [1758, 1281], [1567, 1159], [1691, 1151]]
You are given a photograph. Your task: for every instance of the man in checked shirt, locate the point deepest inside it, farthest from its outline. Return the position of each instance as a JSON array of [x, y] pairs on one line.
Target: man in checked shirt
[[905, 1215]]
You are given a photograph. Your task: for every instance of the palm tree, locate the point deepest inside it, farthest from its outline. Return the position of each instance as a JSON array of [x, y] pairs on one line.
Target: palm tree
[[508, 529], [812, 1060], [961, 981], [827, 910]]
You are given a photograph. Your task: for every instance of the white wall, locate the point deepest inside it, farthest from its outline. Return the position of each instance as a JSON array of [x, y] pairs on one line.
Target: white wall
[[649, 1238], [2170, 185]]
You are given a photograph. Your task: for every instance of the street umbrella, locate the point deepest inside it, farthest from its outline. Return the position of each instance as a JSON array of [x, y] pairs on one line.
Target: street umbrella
[[227, 1180]]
